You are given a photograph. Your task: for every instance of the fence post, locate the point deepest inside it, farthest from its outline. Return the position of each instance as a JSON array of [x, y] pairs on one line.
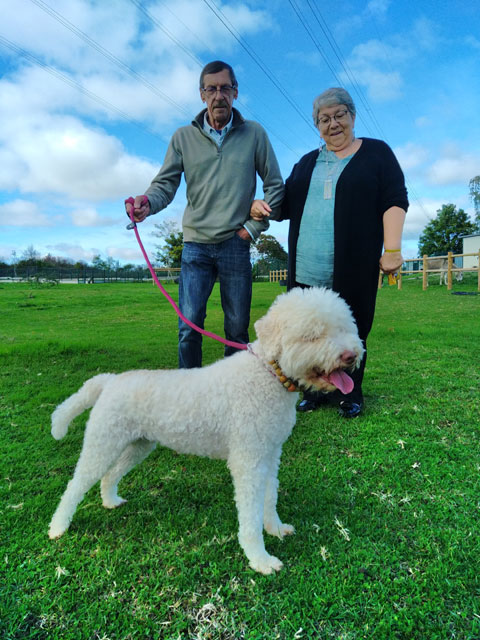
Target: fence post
[[425, 275], [449, 270], [478, 267]]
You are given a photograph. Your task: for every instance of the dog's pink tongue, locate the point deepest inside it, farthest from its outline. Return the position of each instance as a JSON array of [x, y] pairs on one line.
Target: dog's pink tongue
[[341, 380]]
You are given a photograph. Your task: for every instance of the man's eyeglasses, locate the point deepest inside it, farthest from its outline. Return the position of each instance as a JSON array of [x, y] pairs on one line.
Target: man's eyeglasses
[[225, 90], [340, 116]]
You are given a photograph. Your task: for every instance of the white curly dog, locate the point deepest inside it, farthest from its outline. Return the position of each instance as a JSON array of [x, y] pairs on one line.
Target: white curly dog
[[237, 409]]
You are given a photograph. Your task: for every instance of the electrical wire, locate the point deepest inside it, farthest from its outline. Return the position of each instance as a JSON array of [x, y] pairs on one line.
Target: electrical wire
[[245, 108], [268, 72], [320, 20], [159, 25], [118, 62], [107, 54], [76, 85], [336, 50]]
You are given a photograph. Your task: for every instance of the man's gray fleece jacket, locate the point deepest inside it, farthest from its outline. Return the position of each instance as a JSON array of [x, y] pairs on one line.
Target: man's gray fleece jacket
[[221, 181]]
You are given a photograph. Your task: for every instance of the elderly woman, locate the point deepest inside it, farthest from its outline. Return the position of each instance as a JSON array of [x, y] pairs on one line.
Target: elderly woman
[[344, 201]]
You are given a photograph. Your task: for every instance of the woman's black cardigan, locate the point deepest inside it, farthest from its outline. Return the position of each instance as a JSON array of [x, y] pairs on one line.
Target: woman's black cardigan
[[371, 183]]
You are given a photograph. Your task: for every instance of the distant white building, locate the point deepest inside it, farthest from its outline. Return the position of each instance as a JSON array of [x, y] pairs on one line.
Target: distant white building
[[471, 244]]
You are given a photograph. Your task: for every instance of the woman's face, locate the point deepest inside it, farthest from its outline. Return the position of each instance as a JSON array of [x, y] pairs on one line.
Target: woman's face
[[336, 126]]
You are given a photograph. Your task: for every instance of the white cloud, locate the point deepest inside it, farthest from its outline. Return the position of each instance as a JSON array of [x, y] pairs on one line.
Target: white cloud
[[411, 155], [424, 34], [89, 217], [22, 213], [125, 254], [63, 156], [73, 251], [473, 42], [420, 213], [453, 166], [198, 28], [378, 8], [42, 150], [372, 65], [422, 122], [56, 40]]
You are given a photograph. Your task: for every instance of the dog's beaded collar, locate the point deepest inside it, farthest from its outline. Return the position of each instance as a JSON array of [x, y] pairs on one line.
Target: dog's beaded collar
[[287, 383]]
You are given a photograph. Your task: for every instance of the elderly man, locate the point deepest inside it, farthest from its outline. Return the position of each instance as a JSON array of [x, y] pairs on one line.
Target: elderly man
[[220, 153]]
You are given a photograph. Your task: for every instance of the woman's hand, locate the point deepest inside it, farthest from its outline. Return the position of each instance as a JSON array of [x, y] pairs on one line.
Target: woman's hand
[[260, 210], [391, 262]]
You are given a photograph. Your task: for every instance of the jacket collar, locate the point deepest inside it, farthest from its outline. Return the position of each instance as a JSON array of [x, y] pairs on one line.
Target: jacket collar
[[238, 119]]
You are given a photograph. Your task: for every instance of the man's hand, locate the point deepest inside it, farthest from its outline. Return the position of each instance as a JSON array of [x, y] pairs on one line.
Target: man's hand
[[141, 208], [243, 233], [260, 210]]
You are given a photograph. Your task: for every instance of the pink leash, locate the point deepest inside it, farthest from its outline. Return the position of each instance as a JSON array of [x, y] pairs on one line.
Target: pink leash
[[133, 225]]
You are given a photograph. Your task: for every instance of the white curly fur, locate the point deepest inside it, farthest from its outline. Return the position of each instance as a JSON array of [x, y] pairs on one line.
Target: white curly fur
[[234, 409]]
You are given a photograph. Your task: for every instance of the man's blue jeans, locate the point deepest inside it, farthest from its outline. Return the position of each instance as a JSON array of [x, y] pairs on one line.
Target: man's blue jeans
[[201, 264]]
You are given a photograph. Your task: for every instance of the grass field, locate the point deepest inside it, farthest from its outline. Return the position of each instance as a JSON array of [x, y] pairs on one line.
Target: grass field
[[386, 507]]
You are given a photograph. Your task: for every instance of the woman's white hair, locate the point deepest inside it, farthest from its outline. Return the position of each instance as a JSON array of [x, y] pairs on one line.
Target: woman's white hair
[[330, 98]]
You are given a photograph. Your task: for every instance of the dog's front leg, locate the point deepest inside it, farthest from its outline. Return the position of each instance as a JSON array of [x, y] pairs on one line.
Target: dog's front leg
[[249, 481], [271, 520]]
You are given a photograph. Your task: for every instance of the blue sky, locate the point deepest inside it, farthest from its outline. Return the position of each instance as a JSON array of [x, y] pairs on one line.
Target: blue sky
[[91, 91]]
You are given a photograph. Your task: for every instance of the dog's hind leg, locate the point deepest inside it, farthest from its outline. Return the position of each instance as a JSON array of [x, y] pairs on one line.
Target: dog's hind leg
[[271, 521], [249, 480], [97, 456], [132, 455]]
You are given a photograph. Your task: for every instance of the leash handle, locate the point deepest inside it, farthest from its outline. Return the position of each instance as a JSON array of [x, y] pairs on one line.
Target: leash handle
[[131, 201], [229, 343]]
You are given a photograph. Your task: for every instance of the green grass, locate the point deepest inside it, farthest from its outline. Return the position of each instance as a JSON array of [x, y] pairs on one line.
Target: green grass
[[386, 507]]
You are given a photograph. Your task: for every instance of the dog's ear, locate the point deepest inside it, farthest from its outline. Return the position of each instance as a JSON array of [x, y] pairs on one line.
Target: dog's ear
[[268, 332]]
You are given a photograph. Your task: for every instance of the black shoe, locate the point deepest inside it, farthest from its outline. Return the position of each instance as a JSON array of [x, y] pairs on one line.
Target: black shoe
[[311, 404], [307, 405], [349, 409]]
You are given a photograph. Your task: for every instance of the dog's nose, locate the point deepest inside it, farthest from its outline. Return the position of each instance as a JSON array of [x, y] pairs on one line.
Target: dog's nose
[[348, 357]]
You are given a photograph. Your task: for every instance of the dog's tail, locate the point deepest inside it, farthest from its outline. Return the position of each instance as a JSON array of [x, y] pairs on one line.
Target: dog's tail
[[73, 406]]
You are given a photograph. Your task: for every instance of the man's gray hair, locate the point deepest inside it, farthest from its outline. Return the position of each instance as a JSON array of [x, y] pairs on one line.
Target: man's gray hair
[[215, 67], [330, 98]]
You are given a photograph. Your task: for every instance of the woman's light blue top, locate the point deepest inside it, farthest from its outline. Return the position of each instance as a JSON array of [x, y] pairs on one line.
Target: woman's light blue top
[[315, 245]]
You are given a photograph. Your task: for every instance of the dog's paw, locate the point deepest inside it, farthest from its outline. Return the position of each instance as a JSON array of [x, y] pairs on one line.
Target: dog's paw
[[113, 503], [267, 564], [55, 532], [279, 529], [287, 530]]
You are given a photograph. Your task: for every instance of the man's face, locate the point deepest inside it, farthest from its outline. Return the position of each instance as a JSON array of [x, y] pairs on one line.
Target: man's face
[[218, 94]]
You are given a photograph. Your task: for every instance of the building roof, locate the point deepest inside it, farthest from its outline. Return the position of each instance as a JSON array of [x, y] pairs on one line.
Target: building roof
[[471, 235]]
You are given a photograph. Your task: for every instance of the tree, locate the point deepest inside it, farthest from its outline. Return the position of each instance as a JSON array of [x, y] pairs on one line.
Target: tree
[[268, 255], [269, 248], [474, 187], [170, 253], [30, 257], [98, 262], [106, 265], [442, 234]]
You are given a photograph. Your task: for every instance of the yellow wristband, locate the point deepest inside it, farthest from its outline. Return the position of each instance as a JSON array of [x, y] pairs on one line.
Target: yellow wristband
[[392, 250]]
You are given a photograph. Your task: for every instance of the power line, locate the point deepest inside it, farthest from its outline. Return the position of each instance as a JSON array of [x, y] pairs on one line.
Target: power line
[[117, 61], [160, 26], [76, 85], [336, 50], [317, 15], [307, 28], [199, 62], [270, 75], [107, 54]]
